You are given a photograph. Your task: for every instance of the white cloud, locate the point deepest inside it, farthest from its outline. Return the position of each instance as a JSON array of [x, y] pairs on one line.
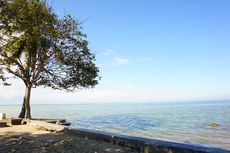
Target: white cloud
[[103, 94], [13, 91], [10, 93], [84, 96], [120, 61]]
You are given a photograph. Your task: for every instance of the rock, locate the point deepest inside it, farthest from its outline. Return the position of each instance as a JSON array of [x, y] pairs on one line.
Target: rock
[[40, 125], [214, 125], [65, 124]]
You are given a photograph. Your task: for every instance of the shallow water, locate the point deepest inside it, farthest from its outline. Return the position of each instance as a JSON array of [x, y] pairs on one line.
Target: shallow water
[[180, 122]]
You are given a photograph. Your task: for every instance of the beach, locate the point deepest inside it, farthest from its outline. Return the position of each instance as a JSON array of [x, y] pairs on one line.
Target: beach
[[26, 139]]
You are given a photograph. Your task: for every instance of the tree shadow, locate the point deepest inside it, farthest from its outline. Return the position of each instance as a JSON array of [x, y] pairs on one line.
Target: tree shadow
[[55, 143]]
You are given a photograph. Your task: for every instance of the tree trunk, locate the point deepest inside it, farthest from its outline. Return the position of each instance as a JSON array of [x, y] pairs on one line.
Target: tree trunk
[[25, 111]]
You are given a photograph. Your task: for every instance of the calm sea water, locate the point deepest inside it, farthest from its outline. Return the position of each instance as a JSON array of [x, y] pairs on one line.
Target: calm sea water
[[179, 122]]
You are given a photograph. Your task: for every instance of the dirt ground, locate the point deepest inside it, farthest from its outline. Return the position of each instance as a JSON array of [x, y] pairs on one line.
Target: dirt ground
[[26, 139]]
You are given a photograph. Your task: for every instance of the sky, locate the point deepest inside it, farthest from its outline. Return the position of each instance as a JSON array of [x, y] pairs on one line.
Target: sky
[[147, 51]]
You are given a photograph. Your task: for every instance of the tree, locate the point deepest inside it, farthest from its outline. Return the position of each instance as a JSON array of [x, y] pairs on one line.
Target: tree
[[43, 50]]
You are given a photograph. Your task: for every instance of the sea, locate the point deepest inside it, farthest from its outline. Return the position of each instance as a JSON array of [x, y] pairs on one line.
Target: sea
[[183, 122]]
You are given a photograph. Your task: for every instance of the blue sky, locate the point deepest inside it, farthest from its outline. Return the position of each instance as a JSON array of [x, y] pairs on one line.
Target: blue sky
[[150, 50]]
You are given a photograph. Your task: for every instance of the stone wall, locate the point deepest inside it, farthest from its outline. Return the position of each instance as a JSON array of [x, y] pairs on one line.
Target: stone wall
[[142, 145]]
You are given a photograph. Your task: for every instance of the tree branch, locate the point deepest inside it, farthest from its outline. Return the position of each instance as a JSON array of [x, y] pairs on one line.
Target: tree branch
[[16, 74], [14, 61]]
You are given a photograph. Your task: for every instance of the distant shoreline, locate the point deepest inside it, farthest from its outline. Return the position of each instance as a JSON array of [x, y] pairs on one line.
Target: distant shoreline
[[112, 103]]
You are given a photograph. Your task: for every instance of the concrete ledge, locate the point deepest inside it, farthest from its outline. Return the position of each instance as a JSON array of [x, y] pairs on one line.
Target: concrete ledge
[[3, 124], [13, 121], [142, 145], [54, 121], [16, 121]]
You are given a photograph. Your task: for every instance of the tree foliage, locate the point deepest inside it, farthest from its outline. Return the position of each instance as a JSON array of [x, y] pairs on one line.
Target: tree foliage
[[43, 50], [54, 51]]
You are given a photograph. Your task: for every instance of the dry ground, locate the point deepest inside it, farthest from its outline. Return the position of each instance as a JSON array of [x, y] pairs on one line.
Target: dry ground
[[26, 139]]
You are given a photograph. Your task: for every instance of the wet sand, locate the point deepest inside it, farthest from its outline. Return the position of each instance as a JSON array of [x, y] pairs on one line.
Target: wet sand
[[26, 139]]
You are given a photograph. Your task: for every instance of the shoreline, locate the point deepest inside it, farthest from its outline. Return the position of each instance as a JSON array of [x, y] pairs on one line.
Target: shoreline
[[24, 138]]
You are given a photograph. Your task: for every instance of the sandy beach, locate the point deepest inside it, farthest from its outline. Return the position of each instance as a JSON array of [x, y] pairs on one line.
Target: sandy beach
[[26, 139]]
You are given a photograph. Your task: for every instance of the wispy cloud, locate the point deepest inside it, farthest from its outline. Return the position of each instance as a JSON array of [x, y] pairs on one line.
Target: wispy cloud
[[109, 58], [13, 91], [106, 93], [120, 61], [108, 53]]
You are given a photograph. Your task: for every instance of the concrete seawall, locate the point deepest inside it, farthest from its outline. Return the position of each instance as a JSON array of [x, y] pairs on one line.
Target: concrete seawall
[[142, 145]]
